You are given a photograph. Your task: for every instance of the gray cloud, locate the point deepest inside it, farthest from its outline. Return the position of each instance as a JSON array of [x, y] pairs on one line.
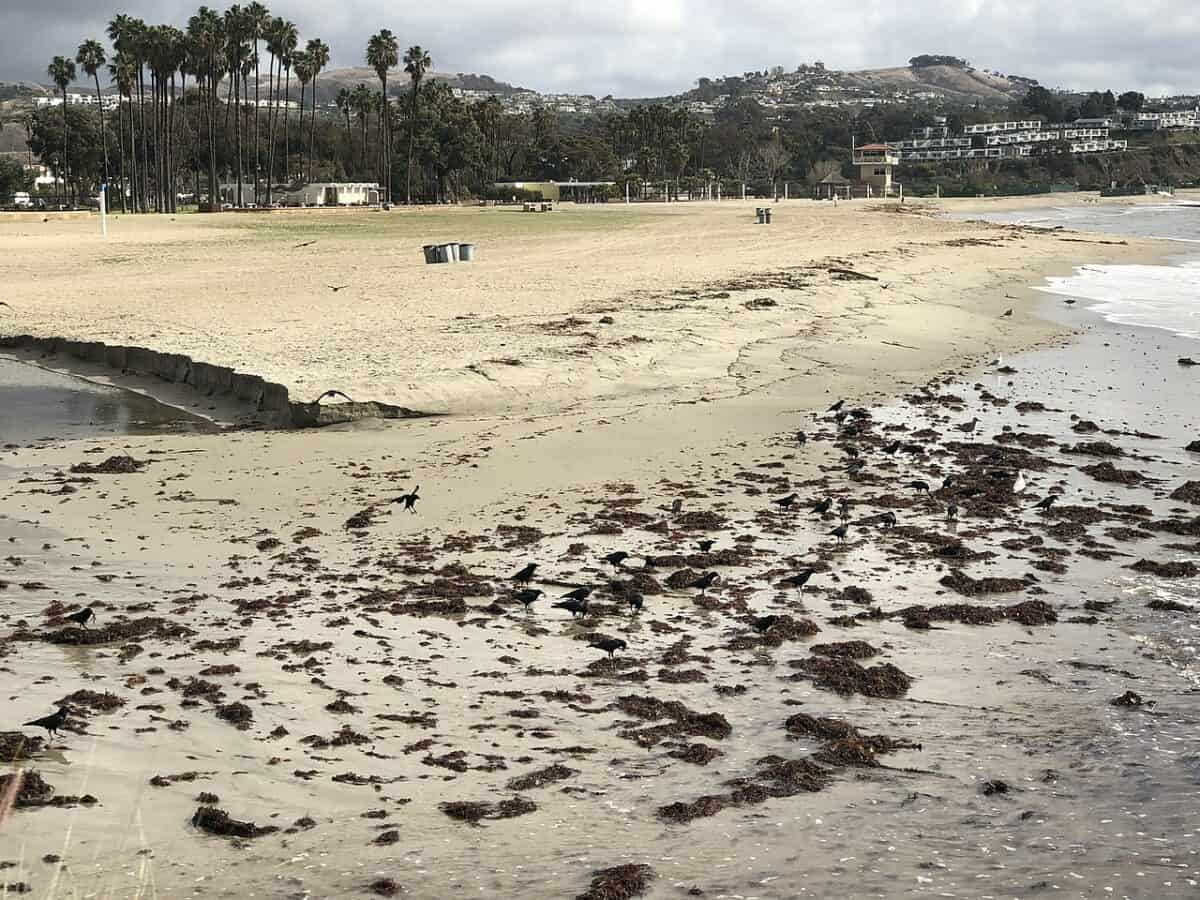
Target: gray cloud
[[651, 47]]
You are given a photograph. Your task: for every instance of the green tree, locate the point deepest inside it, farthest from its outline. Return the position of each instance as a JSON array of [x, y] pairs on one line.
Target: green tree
[[383, 54], [62, 72], [317, 53], [258, 20], [416, 63], [13, 178], [1132, 101]]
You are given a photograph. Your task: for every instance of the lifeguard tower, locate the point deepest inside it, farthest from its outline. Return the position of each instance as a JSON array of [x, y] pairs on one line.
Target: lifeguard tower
[[875, 163]]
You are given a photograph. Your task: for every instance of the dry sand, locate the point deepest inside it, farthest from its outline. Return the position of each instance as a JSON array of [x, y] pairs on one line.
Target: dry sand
[[192, 538]]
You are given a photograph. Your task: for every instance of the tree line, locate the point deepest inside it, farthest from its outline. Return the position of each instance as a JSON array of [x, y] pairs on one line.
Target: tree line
[[171, 116]]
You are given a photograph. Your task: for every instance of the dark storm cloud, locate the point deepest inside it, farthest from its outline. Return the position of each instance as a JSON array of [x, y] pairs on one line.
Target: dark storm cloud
[[648, 47]]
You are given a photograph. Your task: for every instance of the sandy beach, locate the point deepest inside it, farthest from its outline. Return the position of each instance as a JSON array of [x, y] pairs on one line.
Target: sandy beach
[[276, 638]]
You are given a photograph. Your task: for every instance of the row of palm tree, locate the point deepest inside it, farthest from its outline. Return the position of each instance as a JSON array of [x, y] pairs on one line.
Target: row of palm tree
[[150, 66]]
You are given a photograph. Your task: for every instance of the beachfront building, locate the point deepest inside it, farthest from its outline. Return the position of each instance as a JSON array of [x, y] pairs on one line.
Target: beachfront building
[[1174, 120], [1009, 140], [579, 191], [875, 164], [352, 193]]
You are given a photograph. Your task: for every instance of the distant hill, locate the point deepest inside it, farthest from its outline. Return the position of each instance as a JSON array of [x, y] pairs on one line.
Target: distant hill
[[954, 82], [331, 81]]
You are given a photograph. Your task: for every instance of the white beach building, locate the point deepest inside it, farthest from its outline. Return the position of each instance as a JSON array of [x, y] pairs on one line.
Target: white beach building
[[336, 194]]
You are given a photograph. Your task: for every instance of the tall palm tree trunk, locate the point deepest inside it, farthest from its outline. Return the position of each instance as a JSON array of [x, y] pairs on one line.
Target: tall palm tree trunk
[[312, 131], [235, 77], [272, 115], [68, 192], [121, 149], [287, 124], [103, 130]]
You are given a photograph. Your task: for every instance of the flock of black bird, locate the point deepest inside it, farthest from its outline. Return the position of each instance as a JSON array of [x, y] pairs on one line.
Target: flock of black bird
[[576, 601]]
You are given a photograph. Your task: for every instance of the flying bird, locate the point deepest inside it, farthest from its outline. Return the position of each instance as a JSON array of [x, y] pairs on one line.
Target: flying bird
[[337, 287], [82, 617], [305, 244], [52, 722], [836, 407], [609, 645], [333, 394], [410, 499], [526, 574], [1007, 314]]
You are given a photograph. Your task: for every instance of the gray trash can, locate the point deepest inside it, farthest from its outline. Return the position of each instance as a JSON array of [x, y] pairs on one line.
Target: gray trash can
[[466, 252], [443, 253], [760, 218], [453, 248], [431, 254], [767, 216]]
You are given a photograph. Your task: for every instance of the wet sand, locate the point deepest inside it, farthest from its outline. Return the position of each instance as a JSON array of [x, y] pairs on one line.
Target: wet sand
[[242, 538]]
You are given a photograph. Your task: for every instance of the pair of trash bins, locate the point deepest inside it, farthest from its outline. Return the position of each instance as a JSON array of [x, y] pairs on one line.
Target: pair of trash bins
[[764, 215], [449, 253]]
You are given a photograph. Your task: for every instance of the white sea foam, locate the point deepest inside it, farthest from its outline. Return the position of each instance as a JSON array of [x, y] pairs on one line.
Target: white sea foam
[[1166, 297]]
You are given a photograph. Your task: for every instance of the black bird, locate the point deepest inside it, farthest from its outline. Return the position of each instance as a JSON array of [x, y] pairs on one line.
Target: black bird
[[888, 519], [763, 624], [823, 507], [609, 645], [1070, 301], [947, 482], [1007, 314], [890, 449], [333, 394], [526, 574], [410, 499], [785, 502], [919, 486], [1187, 361], [51, 722], [82, 617], [800, 579], [705, 545], [337, 287], [836, 407], [574, 607], [677, 506], [801, 438], [851, 451], [580, 593], [968, 427], [1046, 502], [855, 466], [635, 603], [844, 509], [527, 596], [951, 512], [10, 306], [305, 244], [616, 558], [840, 532], [705, 581]]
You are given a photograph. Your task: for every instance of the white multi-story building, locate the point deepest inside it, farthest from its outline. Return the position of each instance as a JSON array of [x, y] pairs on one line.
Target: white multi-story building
[[1161, 121], [1007, 140]]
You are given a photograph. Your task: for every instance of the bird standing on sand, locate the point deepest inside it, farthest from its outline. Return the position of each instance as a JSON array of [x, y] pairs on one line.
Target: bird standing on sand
[[705, 581], [574, 607], [51, 723], [332, 394], [843, 509], [968, 427], [836, 407], [785, 502], [677, 506], [1046, 502], [82, 617], [527, 596], [800, 579], [888, 519], [580, 593], [609, 645], [823, 506], [526, 574], [951, 512], [705, 545], [763, 624], [840, 532], [890, 449], [921, 487], [635, 602], [616, 558], [801, 438]]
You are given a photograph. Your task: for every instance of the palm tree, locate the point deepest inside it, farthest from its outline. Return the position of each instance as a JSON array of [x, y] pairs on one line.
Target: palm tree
[[416, 63], [362, 101], [121, 72], [91, 58], [62, 72], [303, 67], [258, 19], [383, 53], [237, 53], [317, 52], [343, 104], [122, 32], [207, 35], [284, 39]]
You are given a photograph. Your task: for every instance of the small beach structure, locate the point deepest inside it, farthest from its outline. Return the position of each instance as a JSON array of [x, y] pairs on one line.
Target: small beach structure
[[835, 184], [875, 164], [328, 193]]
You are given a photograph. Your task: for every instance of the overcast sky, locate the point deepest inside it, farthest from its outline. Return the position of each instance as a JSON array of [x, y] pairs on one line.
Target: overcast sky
[[634, 48]]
